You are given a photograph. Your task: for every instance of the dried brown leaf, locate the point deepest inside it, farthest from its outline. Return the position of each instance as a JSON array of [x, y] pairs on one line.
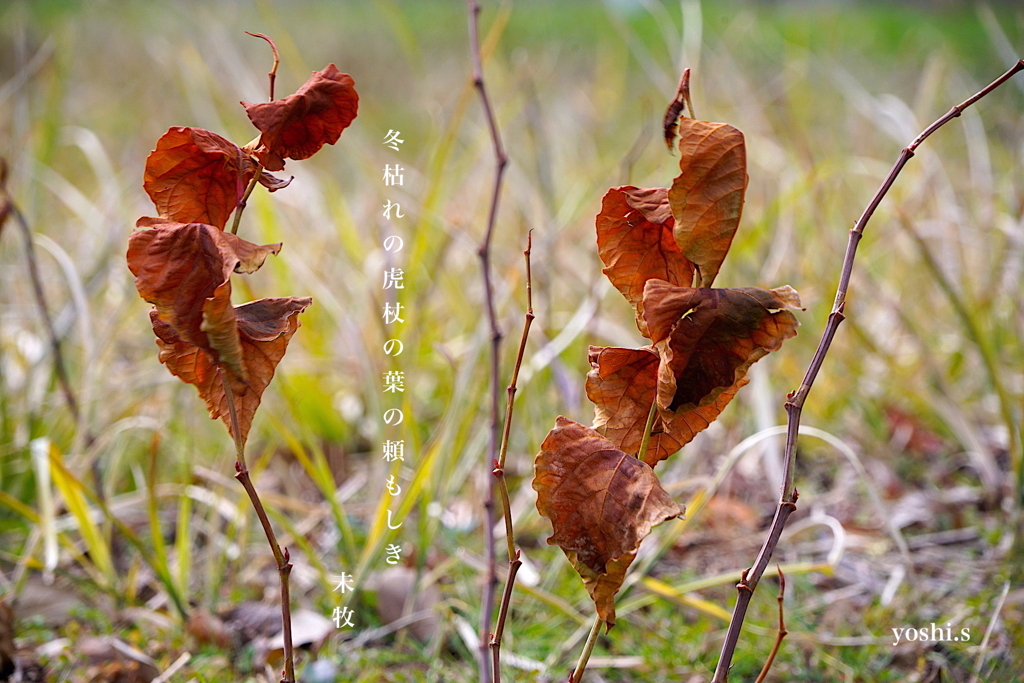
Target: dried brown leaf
[[675, 109], [184, 270], [622, 384], [601, 502], [273, 183], [636, 243], [264, 329], [707, 196], [708, 338], [297, 126], [195, 176]]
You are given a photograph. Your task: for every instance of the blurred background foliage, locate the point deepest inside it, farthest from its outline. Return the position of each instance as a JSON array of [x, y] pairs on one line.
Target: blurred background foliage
[[923, 388]]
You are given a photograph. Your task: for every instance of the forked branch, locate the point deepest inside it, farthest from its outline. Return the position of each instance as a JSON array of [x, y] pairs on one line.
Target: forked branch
[[795, 400]]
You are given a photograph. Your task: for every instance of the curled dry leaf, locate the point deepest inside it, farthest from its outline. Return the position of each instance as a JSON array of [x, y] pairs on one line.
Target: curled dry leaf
[[264, 328], [707, 339], [184, 270], [636, 243], [707, 196], [601, 501], [622, 384], [195, 176], [675, 110], [273, 183], [297, 126]]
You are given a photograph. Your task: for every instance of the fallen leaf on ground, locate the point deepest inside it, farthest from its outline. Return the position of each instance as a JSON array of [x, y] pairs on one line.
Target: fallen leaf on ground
[[111, 660], [396, 587]]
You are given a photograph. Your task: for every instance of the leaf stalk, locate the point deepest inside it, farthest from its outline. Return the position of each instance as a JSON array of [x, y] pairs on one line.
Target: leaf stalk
[[588, 648]]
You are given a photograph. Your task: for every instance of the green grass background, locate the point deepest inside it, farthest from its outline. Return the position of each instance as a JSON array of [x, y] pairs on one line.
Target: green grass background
[[826, 94]]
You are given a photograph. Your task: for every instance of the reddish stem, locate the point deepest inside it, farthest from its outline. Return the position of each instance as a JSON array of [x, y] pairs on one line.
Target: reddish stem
[[795, 402]]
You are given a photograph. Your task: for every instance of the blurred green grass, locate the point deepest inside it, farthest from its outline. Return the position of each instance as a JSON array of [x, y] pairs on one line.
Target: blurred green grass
[[827, 94]]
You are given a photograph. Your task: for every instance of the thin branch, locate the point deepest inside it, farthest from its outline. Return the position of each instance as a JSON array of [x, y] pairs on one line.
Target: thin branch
[[501, 161], [514, 564], [782, 629], [44, 311], [528, 321], [272, 76], [514, 561], [795, 400], [277, 60], [284, 566]]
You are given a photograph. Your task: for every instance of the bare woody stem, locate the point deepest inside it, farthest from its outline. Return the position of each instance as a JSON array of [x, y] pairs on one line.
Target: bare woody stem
[[284, 567], [528, 321], [484, 252], [514, 561], [782, 630], [795, 400]]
